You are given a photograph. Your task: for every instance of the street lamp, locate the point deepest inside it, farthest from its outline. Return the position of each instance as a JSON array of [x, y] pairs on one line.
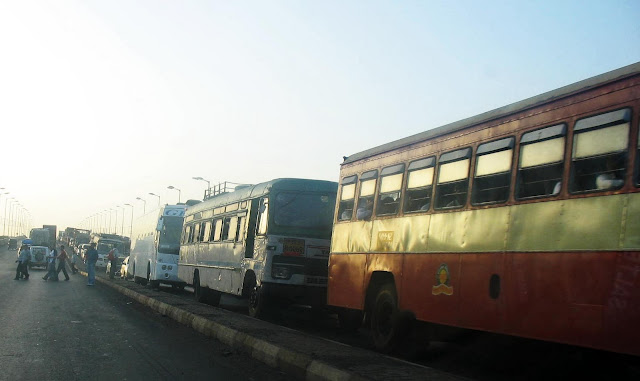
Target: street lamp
[[122, 228], [172, 187], [153, 194], [144, 206], [208, 184], [130, 226], [5, 207]]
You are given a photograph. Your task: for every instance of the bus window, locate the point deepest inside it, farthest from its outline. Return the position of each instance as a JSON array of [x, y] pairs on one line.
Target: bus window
[[492, 179], [347, 197], [453, 179], [389, 195], [191, 234], [229, 228], [541, 162], [240, 229], [202, 230], [187, 234], [196, 233], [367, 191], [263, 214], [419, 185], [599, 152], [217, 230], [206, 232]]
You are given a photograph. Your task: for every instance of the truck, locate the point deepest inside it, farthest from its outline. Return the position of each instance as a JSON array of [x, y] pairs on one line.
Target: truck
[[40, 237], [52, 234]]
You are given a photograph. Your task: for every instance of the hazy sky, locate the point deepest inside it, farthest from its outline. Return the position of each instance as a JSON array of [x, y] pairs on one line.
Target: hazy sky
[[105, 101]]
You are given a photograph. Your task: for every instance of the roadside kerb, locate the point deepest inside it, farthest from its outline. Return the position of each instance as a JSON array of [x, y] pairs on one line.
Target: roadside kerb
[[298, 364]]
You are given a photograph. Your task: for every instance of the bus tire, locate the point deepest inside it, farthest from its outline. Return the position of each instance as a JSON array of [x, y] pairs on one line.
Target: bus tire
[[386, 326], [350, 320], [258, 303], [197, 289]]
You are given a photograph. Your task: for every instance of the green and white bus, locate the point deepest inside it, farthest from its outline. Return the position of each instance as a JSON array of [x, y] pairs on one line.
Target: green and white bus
[[267, 242]]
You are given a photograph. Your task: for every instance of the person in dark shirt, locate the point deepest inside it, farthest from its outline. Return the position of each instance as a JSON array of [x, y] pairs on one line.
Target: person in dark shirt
[[92, 258], [62, 263]]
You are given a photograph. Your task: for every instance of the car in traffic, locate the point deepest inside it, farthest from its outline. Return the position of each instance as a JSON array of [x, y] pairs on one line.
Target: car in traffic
[[38, 256]]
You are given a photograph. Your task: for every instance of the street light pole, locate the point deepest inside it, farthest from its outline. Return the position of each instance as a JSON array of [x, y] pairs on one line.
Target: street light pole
[[5, 207], [208, 185], [153, 194], [172, 187], [144, 206], [4, 227], [130, 226], [122, 229]]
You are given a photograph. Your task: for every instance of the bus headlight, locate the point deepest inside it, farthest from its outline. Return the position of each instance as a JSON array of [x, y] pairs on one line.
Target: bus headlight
[[164, 267], [170, 267], [281, 272]]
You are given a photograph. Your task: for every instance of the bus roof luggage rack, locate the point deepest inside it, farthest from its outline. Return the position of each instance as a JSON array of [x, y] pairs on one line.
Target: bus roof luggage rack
[[222, 188]]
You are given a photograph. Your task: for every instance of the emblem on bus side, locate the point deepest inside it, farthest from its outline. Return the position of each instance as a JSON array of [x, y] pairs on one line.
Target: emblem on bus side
[[443, 281]]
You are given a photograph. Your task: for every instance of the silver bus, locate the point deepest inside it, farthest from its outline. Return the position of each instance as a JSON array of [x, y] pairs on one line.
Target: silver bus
[[268, 243]]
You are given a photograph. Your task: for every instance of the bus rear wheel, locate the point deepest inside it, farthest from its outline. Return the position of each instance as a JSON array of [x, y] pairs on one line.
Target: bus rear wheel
[[386, 326], [258, 302]]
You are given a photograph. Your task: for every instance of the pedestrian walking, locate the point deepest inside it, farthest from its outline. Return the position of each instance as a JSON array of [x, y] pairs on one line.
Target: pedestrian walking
[[113, 258], [74, 260], [51, 265], [62, 263], [92, 258], [22, 271]]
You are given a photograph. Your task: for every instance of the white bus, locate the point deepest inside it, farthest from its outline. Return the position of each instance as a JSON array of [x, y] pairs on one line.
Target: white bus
[[267, 242], [155, 246]]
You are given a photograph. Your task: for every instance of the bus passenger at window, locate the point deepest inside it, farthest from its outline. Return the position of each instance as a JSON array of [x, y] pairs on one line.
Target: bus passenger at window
[[365, 209], [346, 214], [608, 179]]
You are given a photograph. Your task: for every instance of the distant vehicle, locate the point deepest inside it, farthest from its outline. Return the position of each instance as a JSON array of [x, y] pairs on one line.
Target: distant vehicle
[[268, 243], [82, 251], [52, 234], [13, 244], [156, 246], [104, 243], [38, 256], [124, 268], [40, 236]]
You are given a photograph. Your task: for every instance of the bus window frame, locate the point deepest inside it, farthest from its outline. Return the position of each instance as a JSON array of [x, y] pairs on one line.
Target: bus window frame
[[417, 165], [546, 133], [348, 180], [392, 170], [371, 175], [596, 122], [489, 148], [457, 155]]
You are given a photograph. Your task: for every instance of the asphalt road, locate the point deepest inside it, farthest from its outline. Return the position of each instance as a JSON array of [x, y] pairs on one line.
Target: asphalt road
[[69, 331]]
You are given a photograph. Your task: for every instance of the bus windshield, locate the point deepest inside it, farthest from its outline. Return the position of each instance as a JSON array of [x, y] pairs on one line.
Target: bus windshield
[[170, 235], [303, 210]]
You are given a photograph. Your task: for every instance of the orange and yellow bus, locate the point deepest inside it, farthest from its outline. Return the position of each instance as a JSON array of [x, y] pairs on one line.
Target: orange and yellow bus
[[524, 220]]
